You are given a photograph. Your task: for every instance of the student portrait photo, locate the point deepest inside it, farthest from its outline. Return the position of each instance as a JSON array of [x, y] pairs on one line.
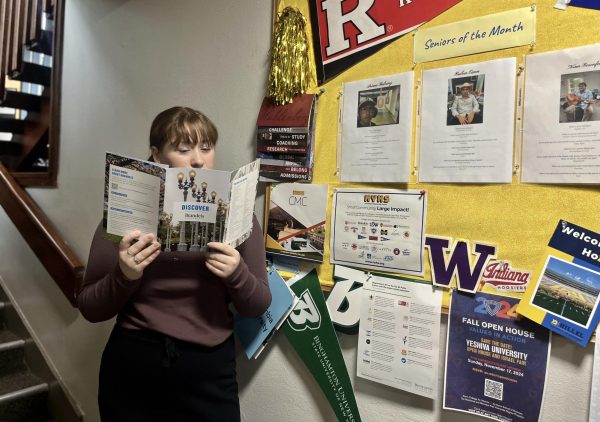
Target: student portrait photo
[[465, 100], [378, 107], [579, 97]]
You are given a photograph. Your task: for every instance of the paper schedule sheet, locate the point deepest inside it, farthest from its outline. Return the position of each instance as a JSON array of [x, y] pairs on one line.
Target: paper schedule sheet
[[398, 343]]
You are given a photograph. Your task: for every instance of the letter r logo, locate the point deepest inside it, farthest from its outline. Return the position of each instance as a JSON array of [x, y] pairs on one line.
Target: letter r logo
[[367, 27]]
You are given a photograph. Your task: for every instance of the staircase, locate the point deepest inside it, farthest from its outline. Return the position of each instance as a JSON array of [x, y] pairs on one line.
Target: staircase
[[30, 65], [28, 390]]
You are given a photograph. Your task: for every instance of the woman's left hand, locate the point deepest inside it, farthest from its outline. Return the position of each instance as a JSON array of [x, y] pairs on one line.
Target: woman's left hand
[[221, 259]]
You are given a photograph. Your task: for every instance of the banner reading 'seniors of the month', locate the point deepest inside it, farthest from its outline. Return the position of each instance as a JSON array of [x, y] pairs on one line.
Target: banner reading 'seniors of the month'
[[495, 365], [471, 36], [346, 32], [310, 331]]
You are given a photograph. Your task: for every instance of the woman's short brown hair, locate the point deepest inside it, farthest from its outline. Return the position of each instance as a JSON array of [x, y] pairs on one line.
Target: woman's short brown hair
[[182, 124]]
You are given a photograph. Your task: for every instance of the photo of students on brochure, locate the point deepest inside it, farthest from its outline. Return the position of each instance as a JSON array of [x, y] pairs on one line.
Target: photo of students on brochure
[[295, 220], [465, 100], [579, 97], [568, 290], [292, 235], [378, 107]]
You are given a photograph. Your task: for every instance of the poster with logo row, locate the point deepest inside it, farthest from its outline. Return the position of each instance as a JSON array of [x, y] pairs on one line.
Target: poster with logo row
[[565, 290], [399, 334], [495, 364], [379, 229]]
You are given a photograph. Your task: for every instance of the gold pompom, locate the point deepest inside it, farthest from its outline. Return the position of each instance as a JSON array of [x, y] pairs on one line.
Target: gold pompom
[[290, 72]]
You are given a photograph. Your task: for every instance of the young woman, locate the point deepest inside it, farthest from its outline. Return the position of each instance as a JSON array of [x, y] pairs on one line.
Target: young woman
[[170, 356]]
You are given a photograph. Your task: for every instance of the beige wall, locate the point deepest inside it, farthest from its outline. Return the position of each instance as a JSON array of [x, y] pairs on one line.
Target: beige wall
[[125, 61]]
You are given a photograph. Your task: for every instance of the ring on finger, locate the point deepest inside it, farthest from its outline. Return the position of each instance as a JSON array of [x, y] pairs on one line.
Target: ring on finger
[[136, 260], [129, 252]]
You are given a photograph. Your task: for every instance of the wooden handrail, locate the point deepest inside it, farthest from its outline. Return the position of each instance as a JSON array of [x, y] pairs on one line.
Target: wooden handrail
[[57, 257]]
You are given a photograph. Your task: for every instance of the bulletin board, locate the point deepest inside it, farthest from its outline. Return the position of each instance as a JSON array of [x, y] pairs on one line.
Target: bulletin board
[[518, 218]]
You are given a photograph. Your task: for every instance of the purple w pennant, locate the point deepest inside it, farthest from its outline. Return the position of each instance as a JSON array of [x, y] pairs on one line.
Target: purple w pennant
[[449, 263]]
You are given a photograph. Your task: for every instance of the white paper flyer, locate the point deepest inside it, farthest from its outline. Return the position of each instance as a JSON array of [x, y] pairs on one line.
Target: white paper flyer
[[377, 124], [467, 123], [561, 122], [399, 334]]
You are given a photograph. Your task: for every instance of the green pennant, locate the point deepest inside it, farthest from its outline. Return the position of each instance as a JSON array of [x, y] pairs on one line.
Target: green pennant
[[311, 333]]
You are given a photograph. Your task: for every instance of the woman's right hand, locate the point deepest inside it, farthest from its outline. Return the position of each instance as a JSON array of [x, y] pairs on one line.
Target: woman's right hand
[[134, 257]]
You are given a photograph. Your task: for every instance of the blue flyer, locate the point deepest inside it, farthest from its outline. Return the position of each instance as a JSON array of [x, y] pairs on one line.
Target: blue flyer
[[564, 293], [495, 364]]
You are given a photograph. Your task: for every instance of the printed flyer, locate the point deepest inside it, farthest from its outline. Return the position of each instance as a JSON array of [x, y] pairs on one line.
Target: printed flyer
[[399, 334], [561, 121], [467, 123], [495, 365], [379, 229], [564, 293], [376, 130]]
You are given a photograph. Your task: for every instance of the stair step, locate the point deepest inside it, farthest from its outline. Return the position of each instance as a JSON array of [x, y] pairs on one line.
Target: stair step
[[43, 44], [33, 73], [23, 393], [16, 381], [11, 148], [7, 337], [12, 353], [12, 125], [26, 404], [20, 100]]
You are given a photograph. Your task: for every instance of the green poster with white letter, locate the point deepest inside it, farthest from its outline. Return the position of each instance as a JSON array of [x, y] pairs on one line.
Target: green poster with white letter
[[311, 333]]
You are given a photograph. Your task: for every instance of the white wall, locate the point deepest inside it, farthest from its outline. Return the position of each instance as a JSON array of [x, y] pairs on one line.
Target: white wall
[[124, 62]]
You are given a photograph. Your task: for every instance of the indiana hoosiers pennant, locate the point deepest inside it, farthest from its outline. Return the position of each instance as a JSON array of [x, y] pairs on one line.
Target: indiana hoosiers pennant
[[347, 31]]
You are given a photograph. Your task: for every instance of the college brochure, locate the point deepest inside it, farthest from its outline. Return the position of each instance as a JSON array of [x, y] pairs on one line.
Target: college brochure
[[185, 207], [295, 220], [254, 333]]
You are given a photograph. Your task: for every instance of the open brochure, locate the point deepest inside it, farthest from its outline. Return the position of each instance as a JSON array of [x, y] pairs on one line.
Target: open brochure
[[254, 333], [185, 207]]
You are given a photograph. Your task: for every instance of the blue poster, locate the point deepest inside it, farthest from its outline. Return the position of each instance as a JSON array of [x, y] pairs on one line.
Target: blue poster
[[495, 365], [564, 295]]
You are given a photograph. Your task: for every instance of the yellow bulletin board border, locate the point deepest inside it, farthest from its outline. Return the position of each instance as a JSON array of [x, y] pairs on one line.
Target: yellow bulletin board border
[[518, 218]]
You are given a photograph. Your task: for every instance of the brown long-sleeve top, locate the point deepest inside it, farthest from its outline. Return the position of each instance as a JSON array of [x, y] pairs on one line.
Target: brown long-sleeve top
[[177, 295]]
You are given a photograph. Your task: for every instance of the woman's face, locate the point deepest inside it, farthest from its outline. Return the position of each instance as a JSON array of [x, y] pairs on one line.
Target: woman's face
[[185, 155]]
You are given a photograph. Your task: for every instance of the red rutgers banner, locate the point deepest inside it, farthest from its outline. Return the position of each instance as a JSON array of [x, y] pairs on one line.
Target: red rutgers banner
[[347, 31]]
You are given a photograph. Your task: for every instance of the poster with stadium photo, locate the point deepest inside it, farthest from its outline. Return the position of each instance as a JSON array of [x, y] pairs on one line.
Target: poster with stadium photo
[[568, 290], [566, 293]]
